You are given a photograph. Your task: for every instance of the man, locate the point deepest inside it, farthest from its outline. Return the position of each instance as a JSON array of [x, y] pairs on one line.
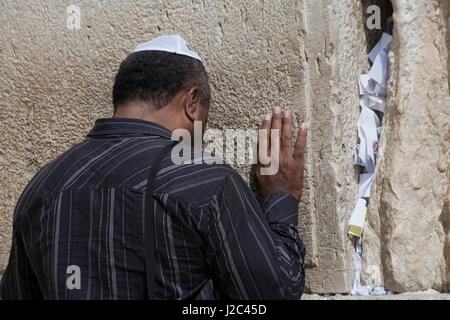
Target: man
[[80, 225]]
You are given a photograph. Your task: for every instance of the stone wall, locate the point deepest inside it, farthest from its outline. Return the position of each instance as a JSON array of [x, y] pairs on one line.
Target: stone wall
[[304, 55]]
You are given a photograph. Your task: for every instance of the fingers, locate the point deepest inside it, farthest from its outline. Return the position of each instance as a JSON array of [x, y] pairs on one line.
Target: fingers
[[276, 119], [275, 137], [282, 122], [264, 140], [286, 134], [300, 144]]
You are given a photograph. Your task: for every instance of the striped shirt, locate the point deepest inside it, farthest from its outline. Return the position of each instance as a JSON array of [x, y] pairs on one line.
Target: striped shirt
[[80, 220]]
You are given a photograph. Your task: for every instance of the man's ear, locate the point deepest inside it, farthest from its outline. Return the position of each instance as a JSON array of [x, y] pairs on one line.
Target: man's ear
[[192, 104]]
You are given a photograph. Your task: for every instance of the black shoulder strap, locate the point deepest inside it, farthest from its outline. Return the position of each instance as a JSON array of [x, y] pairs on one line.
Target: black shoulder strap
[[149, 222]]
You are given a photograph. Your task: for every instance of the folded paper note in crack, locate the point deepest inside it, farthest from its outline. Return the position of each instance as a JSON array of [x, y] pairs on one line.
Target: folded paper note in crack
[[368, 123], [356, 223], [379, 70], [365, 184], [383, 44]]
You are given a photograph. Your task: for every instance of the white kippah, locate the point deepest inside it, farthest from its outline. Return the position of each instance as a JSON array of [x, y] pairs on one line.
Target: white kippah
[[171, 43]]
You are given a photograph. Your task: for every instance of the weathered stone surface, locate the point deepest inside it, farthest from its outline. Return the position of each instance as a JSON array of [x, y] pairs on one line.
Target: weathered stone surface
[[304, 55], [406, 240]]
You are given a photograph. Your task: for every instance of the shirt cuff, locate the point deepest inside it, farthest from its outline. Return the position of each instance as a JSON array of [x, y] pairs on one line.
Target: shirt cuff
[[281, 208]]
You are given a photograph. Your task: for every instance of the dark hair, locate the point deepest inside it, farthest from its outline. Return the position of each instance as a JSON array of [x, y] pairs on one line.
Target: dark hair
[[157, 77]]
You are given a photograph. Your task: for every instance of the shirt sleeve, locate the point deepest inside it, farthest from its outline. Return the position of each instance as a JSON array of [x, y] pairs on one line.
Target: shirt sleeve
[[19, 281], [254, 252]]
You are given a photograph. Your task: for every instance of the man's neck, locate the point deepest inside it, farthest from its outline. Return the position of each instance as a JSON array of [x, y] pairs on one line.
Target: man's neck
[[138, 110]]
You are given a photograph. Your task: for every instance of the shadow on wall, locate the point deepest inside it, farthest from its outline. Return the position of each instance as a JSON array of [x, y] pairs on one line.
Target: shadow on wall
[[374, 35], [386, 10], [444, 218], [445, 5]]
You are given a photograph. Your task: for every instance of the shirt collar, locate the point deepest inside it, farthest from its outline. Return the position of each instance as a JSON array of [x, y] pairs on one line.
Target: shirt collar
[[126, 127]]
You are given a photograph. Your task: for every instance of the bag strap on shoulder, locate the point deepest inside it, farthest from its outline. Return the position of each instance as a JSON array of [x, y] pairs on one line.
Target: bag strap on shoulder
[[149, 222]]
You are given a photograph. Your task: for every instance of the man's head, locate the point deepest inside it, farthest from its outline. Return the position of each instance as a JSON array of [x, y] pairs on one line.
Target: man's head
[[168, 88]]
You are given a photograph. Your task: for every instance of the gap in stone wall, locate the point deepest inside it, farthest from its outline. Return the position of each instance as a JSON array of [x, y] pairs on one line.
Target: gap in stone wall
[[373, 35], [386, 10], [445, 7]]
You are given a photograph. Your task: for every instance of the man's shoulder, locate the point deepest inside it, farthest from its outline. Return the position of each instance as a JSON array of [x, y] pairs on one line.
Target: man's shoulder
[[196, 178], [45, 180]]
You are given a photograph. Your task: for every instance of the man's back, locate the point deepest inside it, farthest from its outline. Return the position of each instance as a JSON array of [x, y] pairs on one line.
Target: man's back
[[83, 214]]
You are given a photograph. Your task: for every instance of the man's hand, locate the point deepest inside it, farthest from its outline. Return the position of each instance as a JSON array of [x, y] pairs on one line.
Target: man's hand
[[289, 177]]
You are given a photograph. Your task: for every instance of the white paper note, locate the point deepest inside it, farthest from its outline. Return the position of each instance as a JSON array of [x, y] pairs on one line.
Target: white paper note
[[368, 123], [372, 102], [357, 160], [365, 184], [370, 87], [383, 43], [364, 85], [375, 50], [380, 90], [356, 223], [358, 289], [378, 72]]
